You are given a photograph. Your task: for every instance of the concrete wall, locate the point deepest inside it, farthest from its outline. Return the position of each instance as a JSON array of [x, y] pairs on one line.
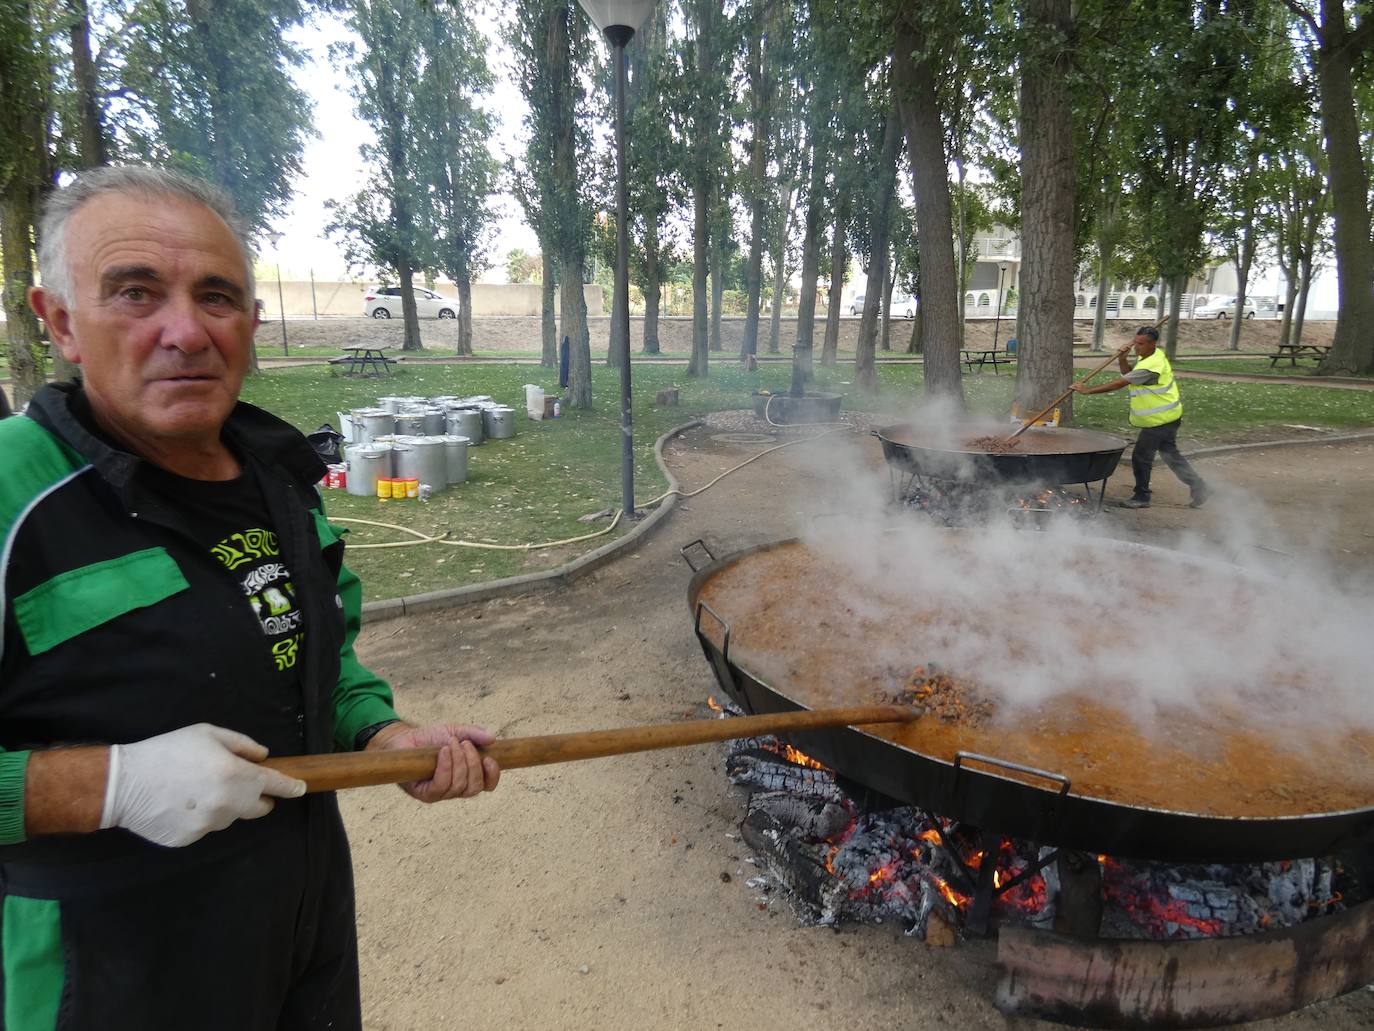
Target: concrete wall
[[346, 299]]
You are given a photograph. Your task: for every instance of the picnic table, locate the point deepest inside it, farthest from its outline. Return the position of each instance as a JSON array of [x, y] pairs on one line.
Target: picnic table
[[1295, 351], [364, 361], [975, 357]]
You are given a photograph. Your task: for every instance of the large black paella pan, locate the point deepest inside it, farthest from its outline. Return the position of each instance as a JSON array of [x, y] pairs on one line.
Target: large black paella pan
[[1043, 456], [782, 632]]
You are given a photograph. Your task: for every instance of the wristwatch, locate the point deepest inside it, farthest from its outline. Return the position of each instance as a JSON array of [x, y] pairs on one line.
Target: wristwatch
[[368, 733]]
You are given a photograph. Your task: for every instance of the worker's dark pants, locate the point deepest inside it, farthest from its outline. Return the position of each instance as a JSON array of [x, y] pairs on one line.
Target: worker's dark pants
[[261, 938], [1164, 440]]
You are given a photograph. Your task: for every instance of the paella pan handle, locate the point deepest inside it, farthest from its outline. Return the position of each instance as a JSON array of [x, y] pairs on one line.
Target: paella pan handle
[[698, 543], [725, 642], [961, 757]]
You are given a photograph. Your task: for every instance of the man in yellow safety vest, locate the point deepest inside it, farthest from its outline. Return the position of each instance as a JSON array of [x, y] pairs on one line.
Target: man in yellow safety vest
[[1157, 409]]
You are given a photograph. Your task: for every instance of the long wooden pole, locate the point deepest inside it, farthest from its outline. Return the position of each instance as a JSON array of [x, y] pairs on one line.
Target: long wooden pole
[[363, 769], [1058, 400]]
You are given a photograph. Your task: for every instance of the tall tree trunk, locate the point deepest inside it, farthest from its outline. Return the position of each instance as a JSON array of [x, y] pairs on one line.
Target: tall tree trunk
[[1246, 256], [653, 287], [865, 374], [92, 150], [1352, 347], [572, 257], [25, 343], [1176, 289], [1106, 250], [21, 173], [1044, 364], [410, 314], [717, 286], [758, 186], [1290, 298], [464, 315], [889, 285], [700, 364], [779, 269], [548, 326], [839, 265], [1300, 315], [962, 256], [918, 102], [811, 262]]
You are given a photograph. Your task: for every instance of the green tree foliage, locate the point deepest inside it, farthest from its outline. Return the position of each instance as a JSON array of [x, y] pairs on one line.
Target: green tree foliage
[[456, 165], [207, 87], [522, 267], [382, 224]]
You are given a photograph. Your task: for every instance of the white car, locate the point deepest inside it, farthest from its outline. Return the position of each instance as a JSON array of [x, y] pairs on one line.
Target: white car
[[1222, 308], [384, 302], [904, 307]]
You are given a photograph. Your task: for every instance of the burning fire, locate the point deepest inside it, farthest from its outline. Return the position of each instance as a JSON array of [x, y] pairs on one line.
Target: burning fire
[[713, 704], [792, 755]]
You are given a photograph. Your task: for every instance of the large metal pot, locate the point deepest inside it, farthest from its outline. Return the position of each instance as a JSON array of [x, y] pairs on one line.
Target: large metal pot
[[996, 792], [1043, 456]]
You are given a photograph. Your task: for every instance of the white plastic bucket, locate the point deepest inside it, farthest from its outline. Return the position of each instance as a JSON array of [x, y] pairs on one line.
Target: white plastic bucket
[[534, 401]]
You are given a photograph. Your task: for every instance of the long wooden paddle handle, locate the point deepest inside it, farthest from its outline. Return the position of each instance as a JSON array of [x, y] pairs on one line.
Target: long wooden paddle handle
[[363, 769], [1058, 400]]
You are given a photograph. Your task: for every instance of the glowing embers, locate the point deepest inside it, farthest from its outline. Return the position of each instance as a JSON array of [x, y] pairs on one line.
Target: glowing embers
[[978, 503], [836, 854]]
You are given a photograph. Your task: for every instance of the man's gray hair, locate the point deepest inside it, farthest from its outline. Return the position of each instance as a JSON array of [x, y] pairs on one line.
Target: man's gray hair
[[140, 180]]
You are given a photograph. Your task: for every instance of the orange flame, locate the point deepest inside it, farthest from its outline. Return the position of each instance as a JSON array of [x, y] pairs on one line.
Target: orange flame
[[710, 700], [792, 755]]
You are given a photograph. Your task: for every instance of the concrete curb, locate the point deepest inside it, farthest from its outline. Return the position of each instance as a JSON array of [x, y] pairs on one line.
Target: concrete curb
[[527, 583]]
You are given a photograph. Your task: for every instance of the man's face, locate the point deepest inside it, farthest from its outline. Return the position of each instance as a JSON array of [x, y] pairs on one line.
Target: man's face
[[159, 316], [1143, 344]]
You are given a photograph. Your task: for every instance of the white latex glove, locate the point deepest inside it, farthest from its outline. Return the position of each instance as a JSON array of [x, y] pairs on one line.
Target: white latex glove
[[176, 788]]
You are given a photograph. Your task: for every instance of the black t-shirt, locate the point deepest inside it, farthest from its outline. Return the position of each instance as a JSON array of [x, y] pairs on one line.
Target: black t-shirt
[[230, 520]]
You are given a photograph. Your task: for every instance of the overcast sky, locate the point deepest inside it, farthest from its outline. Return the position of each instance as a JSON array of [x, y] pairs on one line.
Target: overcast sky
[[332, 167]]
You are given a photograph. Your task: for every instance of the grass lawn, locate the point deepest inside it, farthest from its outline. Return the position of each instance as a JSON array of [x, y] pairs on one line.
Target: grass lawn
[[1255, 366], [533, 487]]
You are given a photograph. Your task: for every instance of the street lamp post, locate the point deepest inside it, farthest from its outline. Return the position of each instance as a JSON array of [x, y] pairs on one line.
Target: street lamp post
[[618, 21], [281, 304], [997, 322]]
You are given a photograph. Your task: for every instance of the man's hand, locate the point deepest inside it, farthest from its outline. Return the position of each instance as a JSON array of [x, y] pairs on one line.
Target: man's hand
[[1078, 387], [460, 771], [175, 788]]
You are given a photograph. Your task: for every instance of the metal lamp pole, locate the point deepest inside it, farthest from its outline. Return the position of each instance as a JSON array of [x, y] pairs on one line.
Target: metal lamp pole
[[618, 21], [275, 239], [997, 323]]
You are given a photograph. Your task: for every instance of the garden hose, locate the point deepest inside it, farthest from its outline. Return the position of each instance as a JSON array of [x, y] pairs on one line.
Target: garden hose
[[423, 538]]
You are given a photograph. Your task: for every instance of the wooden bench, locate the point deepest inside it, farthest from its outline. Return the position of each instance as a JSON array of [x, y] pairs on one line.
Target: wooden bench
[[1295, 351], [976, 358]]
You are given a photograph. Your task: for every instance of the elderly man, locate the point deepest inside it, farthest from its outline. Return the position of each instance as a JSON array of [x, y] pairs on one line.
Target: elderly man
[[175, 608], [1157, 409]]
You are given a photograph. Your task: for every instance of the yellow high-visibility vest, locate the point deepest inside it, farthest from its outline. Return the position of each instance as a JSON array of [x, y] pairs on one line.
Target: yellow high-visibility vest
[[1158, 404]]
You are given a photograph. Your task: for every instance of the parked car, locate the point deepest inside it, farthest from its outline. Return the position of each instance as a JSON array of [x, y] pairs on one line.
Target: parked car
[[1222, 308], [384, 302], [856, 306], [904, 307]]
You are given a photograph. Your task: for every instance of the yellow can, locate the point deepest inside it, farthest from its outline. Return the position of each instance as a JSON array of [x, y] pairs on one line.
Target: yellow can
[[383, 488], [398, 489], [412, 488]]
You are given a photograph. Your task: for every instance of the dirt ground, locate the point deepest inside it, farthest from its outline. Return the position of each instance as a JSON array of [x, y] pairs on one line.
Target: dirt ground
[[611, 894]]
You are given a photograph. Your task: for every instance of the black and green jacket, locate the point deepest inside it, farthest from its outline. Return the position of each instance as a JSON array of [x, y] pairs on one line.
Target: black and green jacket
[[112, 614]]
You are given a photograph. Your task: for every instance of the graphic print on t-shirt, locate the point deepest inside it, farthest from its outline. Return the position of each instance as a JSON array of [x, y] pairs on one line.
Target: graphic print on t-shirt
[[254, 557]]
